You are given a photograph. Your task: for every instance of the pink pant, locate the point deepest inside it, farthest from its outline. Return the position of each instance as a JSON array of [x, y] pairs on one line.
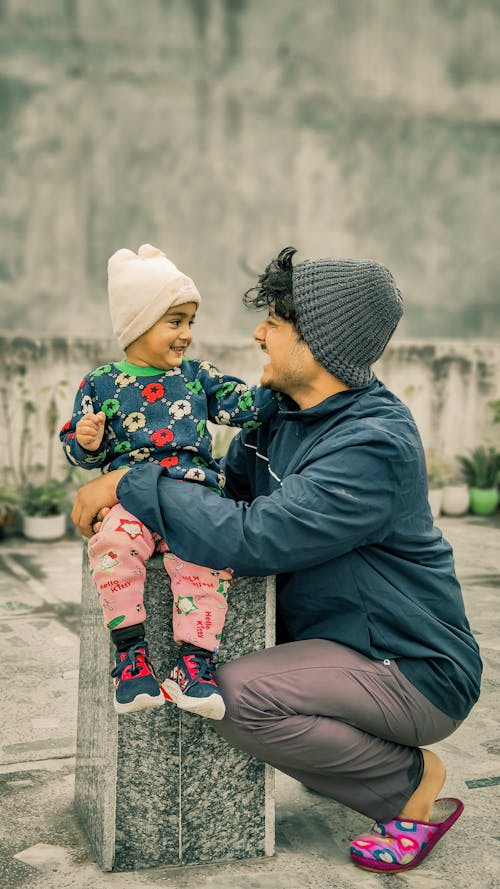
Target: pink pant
[[118, 554]]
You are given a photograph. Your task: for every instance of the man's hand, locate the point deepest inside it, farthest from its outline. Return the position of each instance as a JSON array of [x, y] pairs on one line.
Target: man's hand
[[90, 431], [93, 498]]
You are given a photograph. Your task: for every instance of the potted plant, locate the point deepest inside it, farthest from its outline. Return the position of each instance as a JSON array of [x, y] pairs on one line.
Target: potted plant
[[44, 509], [455, 496], [481, 471], [42, 499], [438, 474]]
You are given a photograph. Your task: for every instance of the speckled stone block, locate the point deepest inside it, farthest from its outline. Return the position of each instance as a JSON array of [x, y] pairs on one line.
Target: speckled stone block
[[161, 787]]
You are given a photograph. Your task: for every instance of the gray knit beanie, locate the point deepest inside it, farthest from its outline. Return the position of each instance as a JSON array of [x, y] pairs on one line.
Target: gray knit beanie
[[347, 311]]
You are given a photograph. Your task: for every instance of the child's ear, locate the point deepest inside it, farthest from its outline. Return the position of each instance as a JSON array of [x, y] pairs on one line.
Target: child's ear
[[147, 251]]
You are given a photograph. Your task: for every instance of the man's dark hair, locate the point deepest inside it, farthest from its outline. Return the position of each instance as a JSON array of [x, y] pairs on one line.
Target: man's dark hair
[[275, 288]]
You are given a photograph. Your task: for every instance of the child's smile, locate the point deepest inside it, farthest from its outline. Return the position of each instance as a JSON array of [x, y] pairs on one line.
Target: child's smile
[[165, 343]]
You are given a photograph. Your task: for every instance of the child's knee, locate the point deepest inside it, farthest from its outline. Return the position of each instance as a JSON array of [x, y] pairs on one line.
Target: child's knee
[[129, 537]]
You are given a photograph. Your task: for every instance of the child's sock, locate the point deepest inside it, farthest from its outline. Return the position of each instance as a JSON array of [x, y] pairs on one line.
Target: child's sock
[[125, 637], [186, 648]]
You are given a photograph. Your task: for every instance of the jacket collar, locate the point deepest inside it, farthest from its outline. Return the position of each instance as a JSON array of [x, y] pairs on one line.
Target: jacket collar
[[332, 405]]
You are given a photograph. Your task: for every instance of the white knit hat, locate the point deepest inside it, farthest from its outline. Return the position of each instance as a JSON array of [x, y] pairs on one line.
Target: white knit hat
[[142, 286]]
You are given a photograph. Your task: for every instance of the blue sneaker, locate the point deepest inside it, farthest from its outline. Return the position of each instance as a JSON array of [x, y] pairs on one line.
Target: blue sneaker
[[191, 685], [136, 686]]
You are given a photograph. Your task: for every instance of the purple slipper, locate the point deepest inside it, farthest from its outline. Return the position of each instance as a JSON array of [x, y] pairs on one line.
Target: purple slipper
[[400, 845]]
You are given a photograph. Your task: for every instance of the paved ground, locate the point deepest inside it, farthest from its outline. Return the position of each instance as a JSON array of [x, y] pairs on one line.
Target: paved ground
[[41, 846]]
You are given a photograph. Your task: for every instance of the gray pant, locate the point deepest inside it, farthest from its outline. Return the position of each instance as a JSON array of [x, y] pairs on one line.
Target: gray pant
[[340, 723]]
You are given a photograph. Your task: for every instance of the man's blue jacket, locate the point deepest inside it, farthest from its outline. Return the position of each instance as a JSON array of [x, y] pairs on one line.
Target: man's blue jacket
[[333, 500]]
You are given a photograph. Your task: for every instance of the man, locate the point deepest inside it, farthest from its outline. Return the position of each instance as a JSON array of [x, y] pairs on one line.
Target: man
[[376, 656]]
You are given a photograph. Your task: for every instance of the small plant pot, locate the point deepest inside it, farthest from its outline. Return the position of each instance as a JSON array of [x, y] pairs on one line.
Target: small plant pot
[[455, 500], [483, 501], [50, 527], [435, 501]]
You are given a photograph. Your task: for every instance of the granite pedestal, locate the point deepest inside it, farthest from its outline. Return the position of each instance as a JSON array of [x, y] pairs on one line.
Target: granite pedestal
[[161, 787]]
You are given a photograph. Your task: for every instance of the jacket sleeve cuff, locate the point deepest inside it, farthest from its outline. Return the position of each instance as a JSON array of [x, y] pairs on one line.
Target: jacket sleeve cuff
[[138, 493]]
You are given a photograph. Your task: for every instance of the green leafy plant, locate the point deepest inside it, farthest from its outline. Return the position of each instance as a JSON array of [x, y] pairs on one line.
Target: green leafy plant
[[9, 504], [47, 499], [481, 468], [30, 446], [495, 406]]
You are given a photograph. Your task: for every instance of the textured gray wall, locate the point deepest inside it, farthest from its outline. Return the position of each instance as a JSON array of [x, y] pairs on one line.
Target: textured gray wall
[[224, 129], [448, 384]]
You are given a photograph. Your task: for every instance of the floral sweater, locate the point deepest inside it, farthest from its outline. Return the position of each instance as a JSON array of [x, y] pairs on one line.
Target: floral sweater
[[161, 417]]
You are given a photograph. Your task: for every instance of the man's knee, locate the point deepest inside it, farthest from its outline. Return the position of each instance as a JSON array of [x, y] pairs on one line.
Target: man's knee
[[243, 720], [230, 679], [249, 693]]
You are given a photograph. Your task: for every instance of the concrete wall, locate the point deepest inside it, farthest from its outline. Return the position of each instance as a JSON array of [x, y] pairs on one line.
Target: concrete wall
[[223, 130], [447, 384]]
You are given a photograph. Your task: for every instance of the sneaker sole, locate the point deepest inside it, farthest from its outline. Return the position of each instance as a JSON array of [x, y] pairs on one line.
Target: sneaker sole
[[211, 708], [141, 702]]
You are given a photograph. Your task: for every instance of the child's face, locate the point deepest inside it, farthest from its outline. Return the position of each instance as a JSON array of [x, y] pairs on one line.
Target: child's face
[[164, 344]]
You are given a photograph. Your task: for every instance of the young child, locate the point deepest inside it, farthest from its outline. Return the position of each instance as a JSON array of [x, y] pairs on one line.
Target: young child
[[154, 406]]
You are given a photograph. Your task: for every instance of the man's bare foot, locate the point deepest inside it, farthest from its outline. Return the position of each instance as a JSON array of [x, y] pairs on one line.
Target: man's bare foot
[[419, 806]]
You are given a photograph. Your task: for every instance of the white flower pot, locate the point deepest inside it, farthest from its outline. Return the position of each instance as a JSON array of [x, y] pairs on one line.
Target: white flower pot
[[435, 501], [455, 500], [50, 527]]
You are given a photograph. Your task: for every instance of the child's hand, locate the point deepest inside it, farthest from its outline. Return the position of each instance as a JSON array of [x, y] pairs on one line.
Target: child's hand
[[90, 431], [101, 515]]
